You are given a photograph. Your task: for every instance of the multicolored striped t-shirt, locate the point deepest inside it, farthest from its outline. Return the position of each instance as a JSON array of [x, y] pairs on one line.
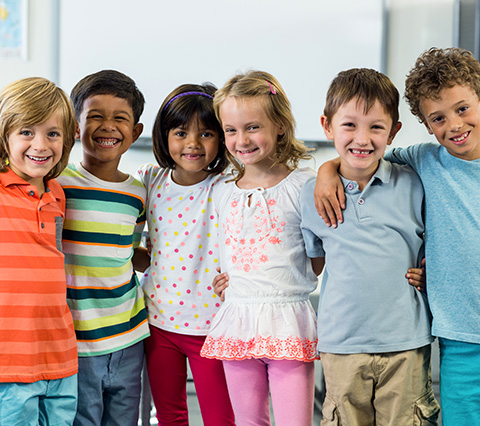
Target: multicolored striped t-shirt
[[104, 222]]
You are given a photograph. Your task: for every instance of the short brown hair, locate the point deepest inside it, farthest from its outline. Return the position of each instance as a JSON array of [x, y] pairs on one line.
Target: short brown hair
[[362, 84], [32, 101], [108, 82], [437, 69], [289, 150]]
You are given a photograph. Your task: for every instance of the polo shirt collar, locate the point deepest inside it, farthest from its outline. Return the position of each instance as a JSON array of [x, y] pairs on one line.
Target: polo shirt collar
[[382, 174], [9, 178]]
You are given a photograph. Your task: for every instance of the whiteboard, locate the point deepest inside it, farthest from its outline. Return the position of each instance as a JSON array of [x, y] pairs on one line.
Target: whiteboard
[[162, 44]]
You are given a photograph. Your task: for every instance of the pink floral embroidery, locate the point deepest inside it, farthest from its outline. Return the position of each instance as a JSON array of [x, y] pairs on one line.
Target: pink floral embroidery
[[249, 253], [269, 347]]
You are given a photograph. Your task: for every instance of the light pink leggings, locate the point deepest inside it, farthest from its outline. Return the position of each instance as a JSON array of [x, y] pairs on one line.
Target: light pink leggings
[[291, 385]]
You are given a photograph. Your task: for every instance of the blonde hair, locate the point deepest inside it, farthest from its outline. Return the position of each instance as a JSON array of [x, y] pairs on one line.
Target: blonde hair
[[262, 85], [32, 101]]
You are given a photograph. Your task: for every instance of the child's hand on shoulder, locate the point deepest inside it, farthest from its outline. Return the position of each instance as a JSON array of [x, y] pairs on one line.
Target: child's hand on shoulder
[[418, 277], [329, 194], [220, 283]]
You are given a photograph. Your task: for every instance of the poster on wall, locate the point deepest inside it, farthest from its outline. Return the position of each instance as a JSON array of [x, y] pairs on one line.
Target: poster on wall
[[13, 29]]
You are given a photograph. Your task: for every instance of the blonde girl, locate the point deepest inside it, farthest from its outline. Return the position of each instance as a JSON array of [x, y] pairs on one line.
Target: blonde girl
[[265, 332]]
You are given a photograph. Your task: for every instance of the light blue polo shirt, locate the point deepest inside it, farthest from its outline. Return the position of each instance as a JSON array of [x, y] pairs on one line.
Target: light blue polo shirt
[[366, 304]]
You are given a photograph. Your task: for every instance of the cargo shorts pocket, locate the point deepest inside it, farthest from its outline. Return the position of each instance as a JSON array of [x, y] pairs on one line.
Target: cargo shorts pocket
[[427, 410], [330, 413]]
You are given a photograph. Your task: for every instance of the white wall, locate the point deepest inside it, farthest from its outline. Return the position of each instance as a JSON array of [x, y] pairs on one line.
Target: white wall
[[413, 27]]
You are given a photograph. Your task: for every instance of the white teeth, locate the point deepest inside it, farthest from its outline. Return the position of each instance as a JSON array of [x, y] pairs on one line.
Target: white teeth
[[460, 138], [357, 151], [37, 158], [107, 142]]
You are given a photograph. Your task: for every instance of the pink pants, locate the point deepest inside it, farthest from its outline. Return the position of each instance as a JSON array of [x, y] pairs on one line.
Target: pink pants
[[167, 355], [291, 385]]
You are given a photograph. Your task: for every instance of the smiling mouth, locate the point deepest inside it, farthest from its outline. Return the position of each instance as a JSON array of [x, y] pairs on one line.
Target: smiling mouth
[[39, 159], [107, 142], [458, 140], [361, 151], [193, 156], [248, 151]]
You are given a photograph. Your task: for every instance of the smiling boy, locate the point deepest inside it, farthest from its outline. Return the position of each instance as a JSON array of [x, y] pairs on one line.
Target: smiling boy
[[104, 220], [443, 92], [373, 327]]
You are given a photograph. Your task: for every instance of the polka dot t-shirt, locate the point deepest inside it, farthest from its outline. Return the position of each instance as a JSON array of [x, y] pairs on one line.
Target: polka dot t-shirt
[[183, 229]]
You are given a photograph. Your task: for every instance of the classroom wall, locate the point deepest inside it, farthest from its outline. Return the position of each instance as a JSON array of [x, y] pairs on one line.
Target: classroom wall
[[412, 27]]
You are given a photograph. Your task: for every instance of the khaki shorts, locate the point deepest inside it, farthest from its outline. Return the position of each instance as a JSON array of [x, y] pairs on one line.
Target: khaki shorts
[[387, 389]]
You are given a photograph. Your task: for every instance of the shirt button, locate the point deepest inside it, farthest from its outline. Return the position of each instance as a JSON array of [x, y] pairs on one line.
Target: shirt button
[[350, 186], [42, 225], [32, 193], [361, 201]]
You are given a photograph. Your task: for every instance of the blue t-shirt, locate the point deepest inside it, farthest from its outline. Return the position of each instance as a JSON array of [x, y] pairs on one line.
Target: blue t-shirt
[[366, 304], [452, 237]]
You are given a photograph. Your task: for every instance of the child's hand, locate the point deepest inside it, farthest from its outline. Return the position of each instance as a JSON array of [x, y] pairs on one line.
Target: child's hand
[[149, 246], [329, 194], [418, 277], [220, 283]]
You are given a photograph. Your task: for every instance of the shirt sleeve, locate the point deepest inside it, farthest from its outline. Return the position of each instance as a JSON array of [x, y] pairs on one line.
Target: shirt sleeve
[[310, 221]]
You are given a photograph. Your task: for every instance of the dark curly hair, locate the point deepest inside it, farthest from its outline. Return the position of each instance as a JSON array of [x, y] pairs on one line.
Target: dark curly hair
[[437, 69]]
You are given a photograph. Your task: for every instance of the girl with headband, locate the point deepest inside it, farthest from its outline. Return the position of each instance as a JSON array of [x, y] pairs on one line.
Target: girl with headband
[[189, 147], [265, 332]]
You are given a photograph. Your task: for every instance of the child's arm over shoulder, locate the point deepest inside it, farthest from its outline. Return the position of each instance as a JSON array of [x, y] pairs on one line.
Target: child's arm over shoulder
[[413, 155], [329, 194]]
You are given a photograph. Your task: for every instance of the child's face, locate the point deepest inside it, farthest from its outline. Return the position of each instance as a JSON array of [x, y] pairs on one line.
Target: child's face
[[192, 147], [454, 119], [360, 138], [107, 129], [35, 150], [250, 136]]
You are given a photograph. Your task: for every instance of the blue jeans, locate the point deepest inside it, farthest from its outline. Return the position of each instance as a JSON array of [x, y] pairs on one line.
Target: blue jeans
[[46, 402], [109, 388], [459, 383]]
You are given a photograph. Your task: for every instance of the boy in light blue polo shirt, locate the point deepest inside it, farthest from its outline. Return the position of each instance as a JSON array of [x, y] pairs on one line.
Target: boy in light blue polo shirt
[[374, 328]]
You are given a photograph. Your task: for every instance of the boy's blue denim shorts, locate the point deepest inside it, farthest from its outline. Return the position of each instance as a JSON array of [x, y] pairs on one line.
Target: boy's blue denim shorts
[[459, 382], [109, 388], [46, 402]]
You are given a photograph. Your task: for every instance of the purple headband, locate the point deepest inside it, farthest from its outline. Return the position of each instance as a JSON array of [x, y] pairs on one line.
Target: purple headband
[[185, 94]]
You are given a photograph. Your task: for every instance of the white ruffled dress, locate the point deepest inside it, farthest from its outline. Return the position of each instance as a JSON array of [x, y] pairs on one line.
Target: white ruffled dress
[[266, 313]]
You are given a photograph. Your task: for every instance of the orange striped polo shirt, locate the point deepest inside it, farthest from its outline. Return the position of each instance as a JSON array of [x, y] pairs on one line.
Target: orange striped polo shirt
[[37, 337]]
